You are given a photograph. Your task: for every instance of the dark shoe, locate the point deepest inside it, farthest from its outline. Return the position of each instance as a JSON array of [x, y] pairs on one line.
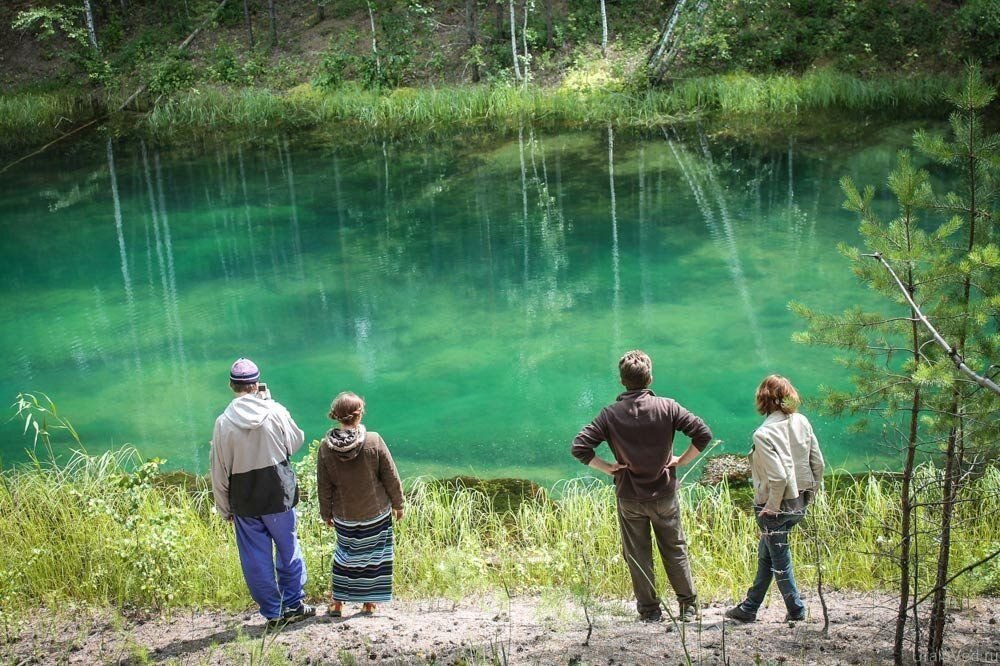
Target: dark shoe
[[275, 623], [688, 613], [298, 614], [795, 618], [740, 615], [651, 616]]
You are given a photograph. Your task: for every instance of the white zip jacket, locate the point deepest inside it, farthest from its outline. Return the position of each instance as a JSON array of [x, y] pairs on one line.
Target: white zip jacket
[[785, 460]]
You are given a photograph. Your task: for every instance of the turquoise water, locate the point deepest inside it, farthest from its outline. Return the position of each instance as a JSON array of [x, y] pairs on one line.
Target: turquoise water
[[477, 290]]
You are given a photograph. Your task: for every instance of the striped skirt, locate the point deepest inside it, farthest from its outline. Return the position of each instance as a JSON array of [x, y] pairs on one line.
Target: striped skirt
[[362, 560]]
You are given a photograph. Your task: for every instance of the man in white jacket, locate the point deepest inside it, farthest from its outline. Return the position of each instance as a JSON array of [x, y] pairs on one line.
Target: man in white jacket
[[255, 488]]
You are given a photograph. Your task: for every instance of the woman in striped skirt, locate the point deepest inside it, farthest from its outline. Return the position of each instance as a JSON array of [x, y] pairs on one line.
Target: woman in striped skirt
[[360, 496]]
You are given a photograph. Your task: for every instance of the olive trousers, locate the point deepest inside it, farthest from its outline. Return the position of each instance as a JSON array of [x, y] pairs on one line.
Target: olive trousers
[[663, 517]]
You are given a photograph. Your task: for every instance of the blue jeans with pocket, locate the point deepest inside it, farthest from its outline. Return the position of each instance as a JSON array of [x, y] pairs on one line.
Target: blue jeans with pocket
[[774, 560]]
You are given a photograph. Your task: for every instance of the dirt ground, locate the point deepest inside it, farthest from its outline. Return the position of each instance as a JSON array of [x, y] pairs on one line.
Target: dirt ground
[[523, 630]]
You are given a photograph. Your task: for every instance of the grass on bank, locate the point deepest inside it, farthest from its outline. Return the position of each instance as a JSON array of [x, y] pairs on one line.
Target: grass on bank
[[503, 106], [30, 117], [108, 530]]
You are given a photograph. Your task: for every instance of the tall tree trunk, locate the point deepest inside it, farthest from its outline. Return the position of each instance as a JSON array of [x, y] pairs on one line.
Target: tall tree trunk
[[273, 17], [528, 4], [472, 26], [550, 42], [956, 438], [91, 32], [378, 62], [906, 492], [498, 6], [246, 18], [604, 30], [513, 40]]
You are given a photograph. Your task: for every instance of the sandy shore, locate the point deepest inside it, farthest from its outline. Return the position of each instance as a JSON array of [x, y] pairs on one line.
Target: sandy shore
[[524, 630]]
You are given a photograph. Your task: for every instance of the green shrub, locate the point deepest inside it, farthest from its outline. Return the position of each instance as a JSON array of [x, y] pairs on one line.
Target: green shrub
[[224, 65], [170, 73]]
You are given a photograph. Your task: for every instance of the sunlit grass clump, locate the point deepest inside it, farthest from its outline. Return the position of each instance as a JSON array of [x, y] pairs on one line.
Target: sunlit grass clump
[[110, 530]]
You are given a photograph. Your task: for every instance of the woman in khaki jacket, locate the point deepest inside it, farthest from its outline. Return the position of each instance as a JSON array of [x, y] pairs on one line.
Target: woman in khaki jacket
[[359, 496], [787, 469]]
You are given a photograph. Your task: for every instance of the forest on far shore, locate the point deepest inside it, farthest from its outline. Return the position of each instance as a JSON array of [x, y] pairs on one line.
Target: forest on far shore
[[113, 46]]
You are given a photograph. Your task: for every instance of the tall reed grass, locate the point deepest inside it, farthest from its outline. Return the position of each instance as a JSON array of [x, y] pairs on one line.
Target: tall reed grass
[[32, 117], [109, 530], [35, 116], [501, 107]]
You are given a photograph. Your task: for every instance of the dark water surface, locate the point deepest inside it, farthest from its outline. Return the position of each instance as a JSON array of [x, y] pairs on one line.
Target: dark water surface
[[477, 290]]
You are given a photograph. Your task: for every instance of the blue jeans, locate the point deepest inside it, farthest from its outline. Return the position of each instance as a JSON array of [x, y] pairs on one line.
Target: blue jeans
[[774, 560], [276, 586]]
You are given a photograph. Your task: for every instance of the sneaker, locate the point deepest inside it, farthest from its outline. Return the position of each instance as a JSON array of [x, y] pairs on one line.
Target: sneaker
[[796, 618], [651, 616], [688, 613], [298, 614], [275, 623], [737, 613]]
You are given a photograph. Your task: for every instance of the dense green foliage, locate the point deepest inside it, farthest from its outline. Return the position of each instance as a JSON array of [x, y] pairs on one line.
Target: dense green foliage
[[108, 530], [739, 55]]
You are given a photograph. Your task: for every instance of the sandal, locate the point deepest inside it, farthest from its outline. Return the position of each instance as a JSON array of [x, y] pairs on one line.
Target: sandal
[[368, 609], [336, 609]]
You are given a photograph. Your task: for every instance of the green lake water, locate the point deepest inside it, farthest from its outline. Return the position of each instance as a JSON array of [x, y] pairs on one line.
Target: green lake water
[[477, 290]]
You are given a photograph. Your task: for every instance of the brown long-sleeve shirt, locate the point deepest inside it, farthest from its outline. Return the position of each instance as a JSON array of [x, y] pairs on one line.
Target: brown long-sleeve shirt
[[360, 488], [639, 428]]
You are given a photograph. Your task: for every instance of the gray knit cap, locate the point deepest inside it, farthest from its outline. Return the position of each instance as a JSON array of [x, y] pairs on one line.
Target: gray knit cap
[[244, 371]]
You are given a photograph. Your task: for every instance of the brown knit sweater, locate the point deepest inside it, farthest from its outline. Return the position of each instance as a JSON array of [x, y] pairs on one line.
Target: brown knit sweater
[[358, 488]]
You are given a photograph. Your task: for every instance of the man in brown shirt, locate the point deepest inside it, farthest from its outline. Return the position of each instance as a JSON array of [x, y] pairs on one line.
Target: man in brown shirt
[[639, 428]]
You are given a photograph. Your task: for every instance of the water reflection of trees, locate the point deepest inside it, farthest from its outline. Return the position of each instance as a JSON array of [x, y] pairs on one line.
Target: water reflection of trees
[[367, 252]]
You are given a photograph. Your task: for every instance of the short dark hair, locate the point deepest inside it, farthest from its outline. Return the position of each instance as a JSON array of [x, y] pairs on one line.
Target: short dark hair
[[636, 369], [776, 394]]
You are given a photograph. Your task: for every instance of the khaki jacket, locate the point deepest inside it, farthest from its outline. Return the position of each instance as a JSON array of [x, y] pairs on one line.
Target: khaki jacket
[[785, 460]]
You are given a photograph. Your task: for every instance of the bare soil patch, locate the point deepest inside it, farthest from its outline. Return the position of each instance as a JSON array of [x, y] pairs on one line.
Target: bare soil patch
[[525, 630]]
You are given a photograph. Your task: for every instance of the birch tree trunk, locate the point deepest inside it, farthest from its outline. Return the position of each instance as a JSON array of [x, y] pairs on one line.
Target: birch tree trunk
[[378, 62], [513, 41], [91, 32], [528, 5], [604, 30]]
